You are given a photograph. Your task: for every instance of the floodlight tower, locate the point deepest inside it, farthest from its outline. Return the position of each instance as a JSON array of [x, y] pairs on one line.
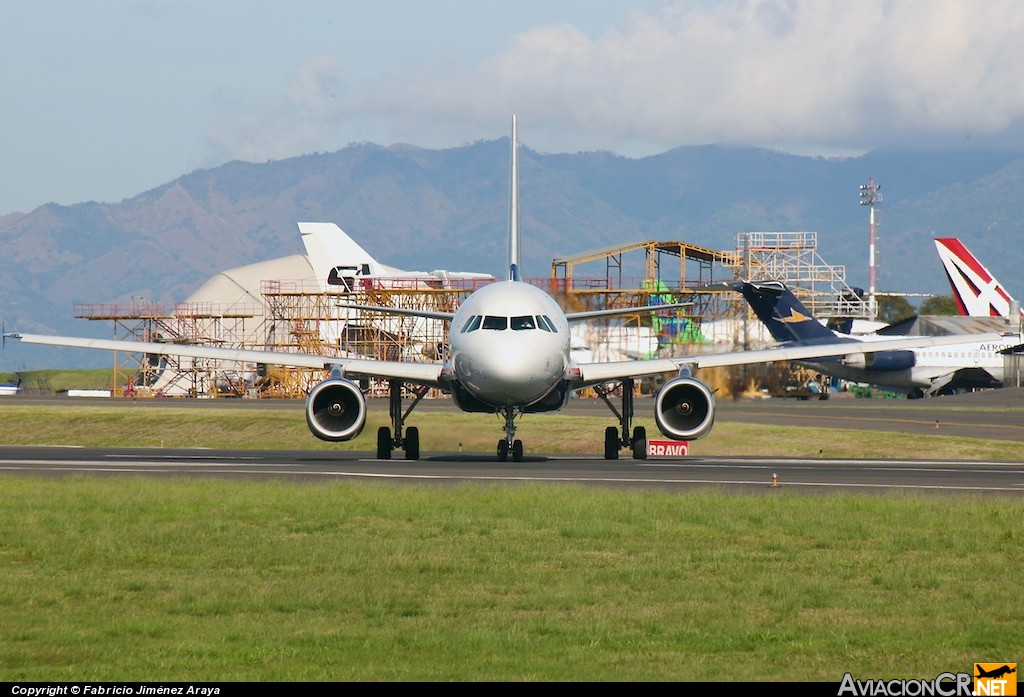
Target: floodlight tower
[[870, 196]]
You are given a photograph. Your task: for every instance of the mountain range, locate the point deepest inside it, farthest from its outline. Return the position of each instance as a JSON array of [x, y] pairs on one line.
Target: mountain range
[[421, 209]]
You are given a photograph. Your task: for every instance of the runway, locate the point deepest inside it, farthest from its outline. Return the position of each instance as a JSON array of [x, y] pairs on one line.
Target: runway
[[729, 473], [994, 414]]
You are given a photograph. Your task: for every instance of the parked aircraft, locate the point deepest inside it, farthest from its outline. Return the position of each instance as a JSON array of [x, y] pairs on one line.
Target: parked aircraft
[[327, 244], [974, 362], [976, 291], [8, 389], [509, 354]]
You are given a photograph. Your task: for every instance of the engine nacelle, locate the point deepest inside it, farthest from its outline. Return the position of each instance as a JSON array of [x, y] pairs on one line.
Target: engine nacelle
[[685, 409], [336, 410], [882, 360]]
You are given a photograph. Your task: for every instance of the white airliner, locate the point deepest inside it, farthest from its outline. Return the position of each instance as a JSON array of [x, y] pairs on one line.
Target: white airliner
[[975, 289], [973, 362], [509, 354]]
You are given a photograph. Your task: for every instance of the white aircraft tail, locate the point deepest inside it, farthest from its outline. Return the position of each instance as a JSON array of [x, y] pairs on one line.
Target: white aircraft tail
[[977, 293], [335, 255], [513, 223]]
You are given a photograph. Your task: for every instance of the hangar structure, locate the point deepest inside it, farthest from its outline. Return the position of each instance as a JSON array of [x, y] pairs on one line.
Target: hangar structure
[[285, 305]]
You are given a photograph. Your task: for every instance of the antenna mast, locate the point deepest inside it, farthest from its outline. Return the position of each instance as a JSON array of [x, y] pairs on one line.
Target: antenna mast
[[870, 196]]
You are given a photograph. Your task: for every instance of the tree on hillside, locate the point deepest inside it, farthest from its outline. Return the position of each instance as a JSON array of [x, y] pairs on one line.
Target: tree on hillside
[[894, 308], [939, 305]]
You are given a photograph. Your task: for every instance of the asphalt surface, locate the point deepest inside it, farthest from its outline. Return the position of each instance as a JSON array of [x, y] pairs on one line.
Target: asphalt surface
[[992, 414]]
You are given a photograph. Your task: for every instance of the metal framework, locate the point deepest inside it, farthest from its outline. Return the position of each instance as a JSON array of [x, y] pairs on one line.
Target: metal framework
[[298, 316], [197, 323], [793, 257], [302, 318]]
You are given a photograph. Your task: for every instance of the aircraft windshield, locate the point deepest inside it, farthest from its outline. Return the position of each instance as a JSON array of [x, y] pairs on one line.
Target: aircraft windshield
[[520, 323], [473, 324]]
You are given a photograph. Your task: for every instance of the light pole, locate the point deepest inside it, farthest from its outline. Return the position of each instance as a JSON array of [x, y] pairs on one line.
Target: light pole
[[870, 196]]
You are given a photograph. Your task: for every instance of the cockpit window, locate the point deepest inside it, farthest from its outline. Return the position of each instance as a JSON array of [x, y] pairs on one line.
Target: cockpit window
[[473, 324], [524, 322], [498, 323], [546, 324]]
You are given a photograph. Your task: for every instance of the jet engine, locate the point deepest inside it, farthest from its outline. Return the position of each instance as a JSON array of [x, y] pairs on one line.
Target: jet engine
[[336, 410], [685, 409], [882, 360]]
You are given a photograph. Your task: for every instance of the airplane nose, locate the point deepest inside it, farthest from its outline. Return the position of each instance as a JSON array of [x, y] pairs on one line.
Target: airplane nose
[[514, 371]]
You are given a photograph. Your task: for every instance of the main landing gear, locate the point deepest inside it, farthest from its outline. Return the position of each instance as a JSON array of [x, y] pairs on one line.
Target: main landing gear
[[617, 438], [510, 445], [410, 439]]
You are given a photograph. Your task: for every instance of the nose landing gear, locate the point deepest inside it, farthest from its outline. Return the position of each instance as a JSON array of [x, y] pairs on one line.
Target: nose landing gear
[[510, 445]]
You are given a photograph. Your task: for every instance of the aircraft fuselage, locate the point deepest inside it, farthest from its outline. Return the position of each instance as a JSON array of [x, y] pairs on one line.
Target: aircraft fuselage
[[509, 345]]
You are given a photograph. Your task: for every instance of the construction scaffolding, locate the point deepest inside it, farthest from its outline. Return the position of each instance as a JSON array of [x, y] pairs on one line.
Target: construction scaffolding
[[792, 257], [300, 317], [303, 318], [158, 375], [668, 272]]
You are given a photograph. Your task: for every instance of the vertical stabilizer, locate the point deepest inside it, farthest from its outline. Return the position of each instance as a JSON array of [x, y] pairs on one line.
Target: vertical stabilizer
[[513, 223], [785, 316], [332, 252], [976, 292]]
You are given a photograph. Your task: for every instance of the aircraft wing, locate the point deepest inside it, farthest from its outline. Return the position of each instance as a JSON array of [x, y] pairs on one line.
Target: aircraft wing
[[429, 314], [420, 373], [596, 373], [963, 378], [571, 316], [591, 314]]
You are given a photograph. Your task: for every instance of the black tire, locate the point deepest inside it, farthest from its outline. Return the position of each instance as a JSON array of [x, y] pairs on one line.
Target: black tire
[[412, 443], [502, 450], [383, 443], [517, 450], [639, 443], [611, 443]]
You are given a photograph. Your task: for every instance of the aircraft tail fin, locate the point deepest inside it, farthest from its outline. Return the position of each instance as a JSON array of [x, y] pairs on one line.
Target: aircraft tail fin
[[335, 255], [976, 292], [513, 223], [785, 316]]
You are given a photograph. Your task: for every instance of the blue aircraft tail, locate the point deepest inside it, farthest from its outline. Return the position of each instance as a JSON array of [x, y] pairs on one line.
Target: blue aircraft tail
[[785, 316]]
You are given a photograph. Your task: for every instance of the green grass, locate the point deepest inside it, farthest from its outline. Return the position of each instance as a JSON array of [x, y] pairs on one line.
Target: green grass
[[58, 380], [135, 579], [225, 427]]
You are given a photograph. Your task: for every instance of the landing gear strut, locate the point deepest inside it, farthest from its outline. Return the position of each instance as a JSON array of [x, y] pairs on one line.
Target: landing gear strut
[[510, 445], [410, 439], [616, 439]]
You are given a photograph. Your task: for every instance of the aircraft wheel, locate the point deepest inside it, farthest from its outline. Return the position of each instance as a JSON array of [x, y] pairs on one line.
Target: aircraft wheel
[[383, 443], [517, 450], [412, 443], [502, 450], [611, 443], [639, 443]]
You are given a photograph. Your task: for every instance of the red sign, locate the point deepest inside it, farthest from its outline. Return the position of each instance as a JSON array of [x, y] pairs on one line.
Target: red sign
[[668, 448]]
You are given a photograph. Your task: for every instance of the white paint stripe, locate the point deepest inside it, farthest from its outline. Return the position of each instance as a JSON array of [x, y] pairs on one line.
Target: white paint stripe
[[520, 478]]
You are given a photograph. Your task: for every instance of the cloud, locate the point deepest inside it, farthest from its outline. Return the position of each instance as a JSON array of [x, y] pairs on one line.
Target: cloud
[[809, 76], [300, 122]]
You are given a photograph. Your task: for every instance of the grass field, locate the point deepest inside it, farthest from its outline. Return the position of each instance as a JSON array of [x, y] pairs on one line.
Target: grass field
[[129, 579], [225, 427]]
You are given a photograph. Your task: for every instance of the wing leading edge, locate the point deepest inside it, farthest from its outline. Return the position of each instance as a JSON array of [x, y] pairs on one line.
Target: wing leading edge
[[421, 373], [596, 373]]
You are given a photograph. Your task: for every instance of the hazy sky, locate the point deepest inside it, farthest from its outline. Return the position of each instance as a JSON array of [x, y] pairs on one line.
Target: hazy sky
[[104, 99]]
